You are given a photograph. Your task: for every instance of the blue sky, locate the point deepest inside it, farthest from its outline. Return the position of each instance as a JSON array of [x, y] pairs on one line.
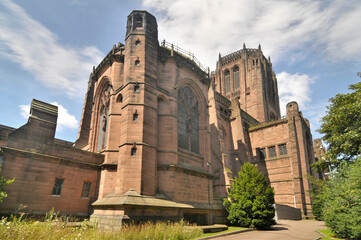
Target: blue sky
[[48, 48]]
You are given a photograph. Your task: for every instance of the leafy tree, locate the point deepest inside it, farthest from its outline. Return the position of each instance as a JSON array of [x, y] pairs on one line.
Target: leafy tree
[[342, 127], [250, 199], [342, 201], [318, 186], [3, 182]]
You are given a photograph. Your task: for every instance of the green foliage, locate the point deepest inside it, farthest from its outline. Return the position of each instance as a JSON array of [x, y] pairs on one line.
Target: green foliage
[[342, 201], [329, 234], [342, 127], [3, 183], [250, 200], [318, 185]]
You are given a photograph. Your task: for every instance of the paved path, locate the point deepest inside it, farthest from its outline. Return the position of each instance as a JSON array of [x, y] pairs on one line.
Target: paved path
[[284, 230]]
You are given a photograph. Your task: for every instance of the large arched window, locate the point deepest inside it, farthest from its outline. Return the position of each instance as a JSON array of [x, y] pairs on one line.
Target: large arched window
[[236, 77], [103, 119], [227, 78], [188, 120]]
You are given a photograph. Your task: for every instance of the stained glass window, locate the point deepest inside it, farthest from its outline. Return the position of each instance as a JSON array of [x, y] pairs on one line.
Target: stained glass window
[[188, 120]]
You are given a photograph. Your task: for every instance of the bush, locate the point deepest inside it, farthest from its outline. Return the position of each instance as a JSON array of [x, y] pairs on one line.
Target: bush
[[250, 200], [342, 201]]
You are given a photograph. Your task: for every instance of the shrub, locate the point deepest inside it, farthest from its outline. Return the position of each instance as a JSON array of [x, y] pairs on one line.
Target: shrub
[[250, 199]]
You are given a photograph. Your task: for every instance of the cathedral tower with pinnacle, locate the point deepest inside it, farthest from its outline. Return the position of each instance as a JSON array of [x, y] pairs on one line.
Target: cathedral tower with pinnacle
[[248, 76]]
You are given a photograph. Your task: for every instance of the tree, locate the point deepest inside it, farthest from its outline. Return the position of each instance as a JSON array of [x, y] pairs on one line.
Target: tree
[[250, 199], [3, 183], [342, 127], [318, 186], [342, 201]]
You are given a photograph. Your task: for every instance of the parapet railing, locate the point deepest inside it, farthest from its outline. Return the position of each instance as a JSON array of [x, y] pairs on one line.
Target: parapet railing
[[185, 53]]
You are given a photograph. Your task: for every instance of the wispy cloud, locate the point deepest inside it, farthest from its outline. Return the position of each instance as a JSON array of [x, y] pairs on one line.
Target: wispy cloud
[[25, 111], [65, 119], [30, 44], [294, 87], [330, 28]]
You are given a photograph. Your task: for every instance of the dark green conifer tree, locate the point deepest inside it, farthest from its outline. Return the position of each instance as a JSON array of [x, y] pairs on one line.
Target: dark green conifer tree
[[250, 199]]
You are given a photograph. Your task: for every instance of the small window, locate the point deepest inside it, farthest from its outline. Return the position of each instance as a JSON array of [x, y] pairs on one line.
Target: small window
[[86, 190], [272, 151], [136, 88], [119, 98], [137, 63], [138, 21], [137, 42], [262, 153], [283, 149], [58, 185], [135, 116], [133, 151]]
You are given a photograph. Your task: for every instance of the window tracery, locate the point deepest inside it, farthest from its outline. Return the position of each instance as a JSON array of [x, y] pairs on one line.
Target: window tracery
[[103, 118], [188, 120]]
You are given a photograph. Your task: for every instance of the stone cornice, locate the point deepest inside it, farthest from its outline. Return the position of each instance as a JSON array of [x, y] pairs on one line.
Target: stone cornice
[[51, 157]]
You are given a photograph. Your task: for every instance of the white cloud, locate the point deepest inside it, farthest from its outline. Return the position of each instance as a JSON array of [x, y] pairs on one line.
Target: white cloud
[[65, 119], [27, 42], [293, 87], [331, 28], [25, 111]]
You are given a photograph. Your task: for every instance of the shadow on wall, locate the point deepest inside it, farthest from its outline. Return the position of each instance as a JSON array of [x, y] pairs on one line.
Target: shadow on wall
[[284, 212]]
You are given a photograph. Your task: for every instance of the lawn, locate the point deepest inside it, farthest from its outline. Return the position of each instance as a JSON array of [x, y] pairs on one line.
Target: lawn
[[230, 229], [329, 235]]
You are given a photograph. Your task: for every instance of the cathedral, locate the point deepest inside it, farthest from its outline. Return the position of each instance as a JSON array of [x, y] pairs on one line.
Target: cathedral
[[161, 138]]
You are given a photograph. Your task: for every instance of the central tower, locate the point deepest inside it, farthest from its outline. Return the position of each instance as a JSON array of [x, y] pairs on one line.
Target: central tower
[[248, 76]]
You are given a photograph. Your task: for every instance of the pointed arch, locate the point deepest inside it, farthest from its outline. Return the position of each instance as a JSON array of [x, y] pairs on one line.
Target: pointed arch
[[101, 110]]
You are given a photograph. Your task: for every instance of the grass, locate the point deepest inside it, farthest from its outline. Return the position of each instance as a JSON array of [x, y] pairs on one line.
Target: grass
[[329, 234], [55, 229], [230, 229]]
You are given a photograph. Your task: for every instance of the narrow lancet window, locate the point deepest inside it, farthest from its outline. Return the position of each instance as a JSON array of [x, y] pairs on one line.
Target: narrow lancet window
[[133, 151], [236, 77], [135, 116], [227, 78]]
